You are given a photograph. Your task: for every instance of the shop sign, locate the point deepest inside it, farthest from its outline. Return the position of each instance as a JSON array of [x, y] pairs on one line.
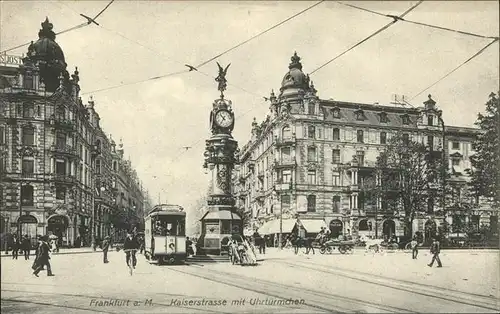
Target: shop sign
[[10, 60]]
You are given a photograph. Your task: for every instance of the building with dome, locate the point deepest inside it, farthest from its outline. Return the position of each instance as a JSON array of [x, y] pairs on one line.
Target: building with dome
[[59, 172], [306, 164]]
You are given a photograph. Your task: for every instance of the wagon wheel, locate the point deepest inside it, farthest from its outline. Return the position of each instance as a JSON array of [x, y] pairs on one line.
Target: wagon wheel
[[322, 250], [407, 248], [342, 249]]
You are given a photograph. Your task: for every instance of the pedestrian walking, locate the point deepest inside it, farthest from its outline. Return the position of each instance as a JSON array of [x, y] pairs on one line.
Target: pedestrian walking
[[414, 247], [26, 245], [15, 247], [262, 244], [42, 258], [435, 250], [105, 248]]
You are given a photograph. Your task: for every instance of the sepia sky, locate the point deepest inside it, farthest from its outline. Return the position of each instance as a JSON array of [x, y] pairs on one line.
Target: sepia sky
[[138, 40]]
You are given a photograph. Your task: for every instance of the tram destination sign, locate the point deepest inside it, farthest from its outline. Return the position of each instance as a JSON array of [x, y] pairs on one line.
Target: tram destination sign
[[10, 60]]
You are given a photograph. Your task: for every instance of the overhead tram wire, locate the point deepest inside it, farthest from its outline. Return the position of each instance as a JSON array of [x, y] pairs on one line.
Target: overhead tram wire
[[89, 21], [395, 19], [259, 34], [458, 67], [418, 23]]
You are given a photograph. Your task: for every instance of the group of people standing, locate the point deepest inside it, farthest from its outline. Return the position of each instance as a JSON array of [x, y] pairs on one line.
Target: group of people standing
[[23, 245]]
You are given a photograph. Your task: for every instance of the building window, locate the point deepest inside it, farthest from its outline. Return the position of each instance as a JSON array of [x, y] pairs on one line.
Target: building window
[[311, 131], [311, 203], [430, 205], [406, 119], [28, 81], [336, 204], [383, 117], [286, 155], [360, 136], [456, 145], [336, 134], [455, 162], [311, 176], [363, 225], [311, 108], [286, 132], [406, 139], [360, 156], [28, 167], [27, 195], [28, 136], [336, 113], [98, 145], [336, 178], [336, 156], [60, 140], [285, 201], [311, 153], [383, 138], [60, 167], [98, 166], [430, 120], [2, 135], [60, 113], [360, 116], [115, 167], [60, 193], [286, 176], [430, 142]]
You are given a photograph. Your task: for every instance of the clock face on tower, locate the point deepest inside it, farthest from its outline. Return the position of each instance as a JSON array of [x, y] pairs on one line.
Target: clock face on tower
[[223, 118]]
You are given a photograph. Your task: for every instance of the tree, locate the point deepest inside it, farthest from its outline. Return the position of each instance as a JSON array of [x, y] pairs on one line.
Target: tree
[[409, 174], [485, 172]]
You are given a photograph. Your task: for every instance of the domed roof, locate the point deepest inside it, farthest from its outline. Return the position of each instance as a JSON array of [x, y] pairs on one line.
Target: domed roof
[[46, 49], [295, 78]]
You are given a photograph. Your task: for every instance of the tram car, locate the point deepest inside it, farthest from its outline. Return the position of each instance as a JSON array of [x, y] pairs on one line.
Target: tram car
[[165, 235]]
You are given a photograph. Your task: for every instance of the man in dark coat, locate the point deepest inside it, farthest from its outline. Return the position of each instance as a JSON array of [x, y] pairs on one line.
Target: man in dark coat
[[131, 244], [26, 247], [15, 247], [435, 250], [42, 258], [105, 248]]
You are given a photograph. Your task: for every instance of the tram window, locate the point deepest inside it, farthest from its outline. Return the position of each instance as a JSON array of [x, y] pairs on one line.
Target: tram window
[[164, 227]]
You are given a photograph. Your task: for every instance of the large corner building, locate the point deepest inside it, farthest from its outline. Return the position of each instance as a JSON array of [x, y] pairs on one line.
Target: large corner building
[[307, 162]]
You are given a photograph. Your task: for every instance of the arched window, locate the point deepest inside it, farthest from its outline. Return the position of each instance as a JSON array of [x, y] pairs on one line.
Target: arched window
[[98, 144], [286, 132], [363, 225], [336, 134], [311, 108], [311, 203]]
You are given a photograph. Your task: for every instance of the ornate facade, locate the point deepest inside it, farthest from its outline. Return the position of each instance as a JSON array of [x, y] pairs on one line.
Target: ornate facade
[[56, 163], [310, 159]]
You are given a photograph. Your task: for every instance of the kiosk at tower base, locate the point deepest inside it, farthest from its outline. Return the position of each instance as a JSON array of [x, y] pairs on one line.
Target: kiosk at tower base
[[221, 153]]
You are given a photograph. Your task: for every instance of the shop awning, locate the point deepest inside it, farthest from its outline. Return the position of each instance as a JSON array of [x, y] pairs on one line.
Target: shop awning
[[313, 225], [221, 215], [273, 226]]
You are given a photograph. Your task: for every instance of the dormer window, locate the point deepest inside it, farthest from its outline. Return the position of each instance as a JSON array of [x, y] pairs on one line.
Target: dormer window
[[383, 117], [360, 115], [430, 120], [406, 119], [311, 108], [336, 113]]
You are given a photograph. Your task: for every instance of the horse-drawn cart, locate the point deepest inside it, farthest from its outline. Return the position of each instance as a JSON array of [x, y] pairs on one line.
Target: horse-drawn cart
[[343, 246]]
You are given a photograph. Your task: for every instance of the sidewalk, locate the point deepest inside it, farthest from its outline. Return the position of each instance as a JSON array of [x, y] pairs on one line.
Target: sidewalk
[[61, 251]]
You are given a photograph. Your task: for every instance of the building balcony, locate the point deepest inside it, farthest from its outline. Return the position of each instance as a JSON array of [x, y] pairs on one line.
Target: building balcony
[[284, 162], [278, 142], [65, 150], [63, 179], [62, 123]]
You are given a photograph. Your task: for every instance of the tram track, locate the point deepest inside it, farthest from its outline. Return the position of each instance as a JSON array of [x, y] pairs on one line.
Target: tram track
[[455, 296], [315, 299]]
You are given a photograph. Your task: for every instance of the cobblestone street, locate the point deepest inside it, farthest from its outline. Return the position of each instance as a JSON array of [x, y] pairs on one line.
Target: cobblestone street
[[317, 283]]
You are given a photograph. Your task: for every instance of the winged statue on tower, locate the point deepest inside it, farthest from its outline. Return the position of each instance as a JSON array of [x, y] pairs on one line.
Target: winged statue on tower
[[221, 79]]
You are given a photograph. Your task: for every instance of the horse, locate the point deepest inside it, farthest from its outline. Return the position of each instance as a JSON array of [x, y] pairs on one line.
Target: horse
[[303, 243], [374, 244]]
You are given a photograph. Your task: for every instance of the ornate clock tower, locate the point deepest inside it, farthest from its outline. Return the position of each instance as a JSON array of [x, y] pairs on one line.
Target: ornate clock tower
[[221, 154]]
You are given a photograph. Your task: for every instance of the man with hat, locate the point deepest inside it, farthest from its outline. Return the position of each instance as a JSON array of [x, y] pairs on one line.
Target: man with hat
[[105, 248], [43, 257], [130, 246]]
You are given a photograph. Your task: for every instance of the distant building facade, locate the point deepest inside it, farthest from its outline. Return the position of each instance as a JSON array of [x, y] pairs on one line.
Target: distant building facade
[[56, 163], [310, 159]]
